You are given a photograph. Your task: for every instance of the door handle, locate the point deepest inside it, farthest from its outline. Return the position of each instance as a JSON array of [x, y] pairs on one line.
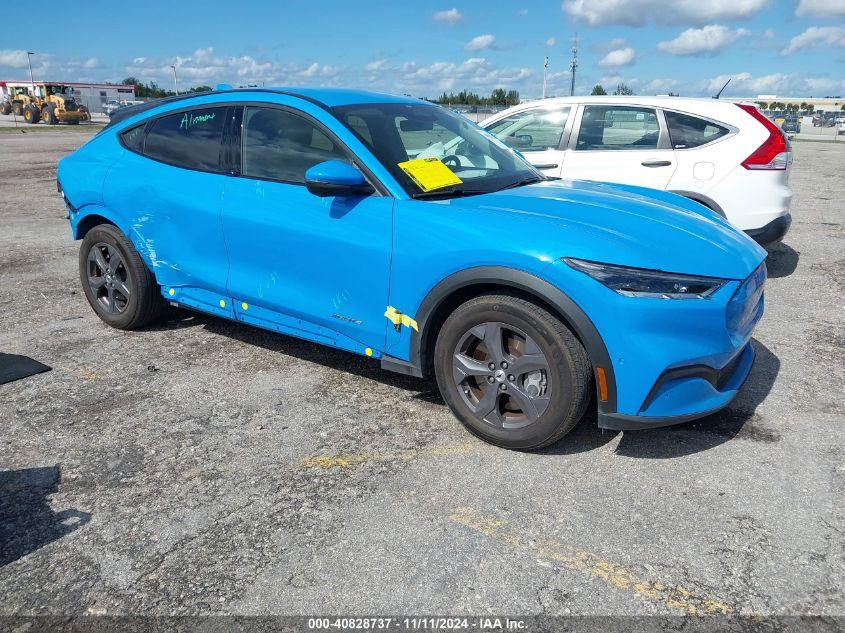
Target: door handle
[[656, 163], [546, 165]]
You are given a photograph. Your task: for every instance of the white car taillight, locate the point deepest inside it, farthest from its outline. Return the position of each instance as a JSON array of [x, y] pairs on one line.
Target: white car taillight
[[774, 152]]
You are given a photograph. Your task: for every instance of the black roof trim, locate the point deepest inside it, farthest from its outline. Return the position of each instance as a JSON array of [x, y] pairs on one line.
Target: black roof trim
[[129, 111]]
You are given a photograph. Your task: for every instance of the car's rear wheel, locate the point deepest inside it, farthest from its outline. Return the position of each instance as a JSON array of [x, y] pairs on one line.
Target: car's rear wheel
[[118, 285], [512, 372]]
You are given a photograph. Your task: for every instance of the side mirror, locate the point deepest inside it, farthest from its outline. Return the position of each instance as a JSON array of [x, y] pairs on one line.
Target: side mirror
[[336, 178]]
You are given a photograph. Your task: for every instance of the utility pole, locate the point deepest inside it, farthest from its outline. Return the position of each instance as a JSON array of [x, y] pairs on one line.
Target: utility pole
[[31, 79], [573, 65], [175, 81], [545, 66]]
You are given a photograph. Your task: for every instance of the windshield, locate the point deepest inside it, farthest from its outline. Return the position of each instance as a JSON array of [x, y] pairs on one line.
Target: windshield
[[401, 135]]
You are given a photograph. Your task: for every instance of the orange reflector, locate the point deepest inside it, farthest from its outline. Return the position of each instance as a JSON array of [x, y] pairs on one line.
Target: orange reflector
[[602, 380]]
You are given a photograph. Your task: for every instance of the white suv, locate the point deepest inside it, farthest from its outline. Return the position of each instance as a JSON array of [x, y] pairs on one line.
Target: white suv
[[727, 156]]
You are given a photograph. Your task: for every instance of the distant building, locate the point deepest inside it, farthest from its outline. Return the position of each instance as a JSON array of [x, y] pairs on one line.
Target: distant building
[[93, 96], [826, 104]]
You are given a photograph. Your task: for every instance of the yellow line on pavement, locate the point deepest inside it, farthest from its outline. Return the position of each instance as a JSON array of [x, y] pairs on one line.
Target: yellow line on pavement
[[327, 462], [592, 565]]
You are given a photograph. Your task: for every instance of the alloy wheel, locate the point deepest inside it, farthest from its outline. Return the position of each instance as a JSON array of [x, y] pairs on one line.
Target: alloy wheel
[[108, 278], [502, 375]]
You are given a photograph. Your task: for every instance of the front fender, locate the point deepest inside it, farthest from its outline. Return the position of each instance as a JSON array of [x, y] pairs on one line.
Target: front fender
[[519, 280]]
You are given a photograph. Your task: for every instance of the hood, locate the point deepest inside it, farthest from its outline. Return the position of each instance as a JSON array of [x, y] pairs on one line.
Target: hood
[[629, 226]]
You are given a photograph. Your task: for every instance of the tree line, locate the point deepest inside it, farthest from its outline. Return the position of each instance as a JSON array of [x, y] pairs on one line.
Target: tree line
[[153, 91], [778, 106], [498, 97]]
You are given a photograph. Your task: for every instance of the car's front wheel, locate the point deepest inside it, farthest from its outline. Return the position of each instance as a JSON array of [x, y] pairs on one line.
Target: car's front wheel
[[512, 372], [118, 285]]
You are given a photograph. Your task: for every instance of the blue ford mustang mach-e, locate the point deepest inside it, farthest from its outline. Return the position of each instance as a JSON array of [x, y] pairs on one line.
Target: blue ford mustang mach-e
[[397, 229]]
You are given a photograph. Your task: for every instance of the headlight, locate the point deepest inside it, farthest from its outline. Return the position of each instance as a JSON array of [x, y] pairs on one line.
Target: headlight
[[642, 282]]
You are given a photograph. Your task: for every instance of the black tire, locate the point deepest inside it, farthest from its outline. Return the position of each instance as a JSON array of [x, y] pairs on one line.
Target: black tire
[[144, 302], [49, 114], [31, 114], [5, 108], [86, 114], [568, 374]]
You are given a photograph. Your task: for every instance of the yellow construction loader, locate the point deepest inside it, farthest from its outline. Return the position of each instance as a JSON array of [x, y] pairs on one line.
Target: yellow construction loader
[[52, 103]]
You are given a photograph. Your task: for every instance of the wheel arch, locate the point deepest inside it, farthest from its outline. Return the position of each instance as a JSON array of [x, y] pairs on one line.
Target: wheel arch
[[700, 198], [466, 284], [88, 222]]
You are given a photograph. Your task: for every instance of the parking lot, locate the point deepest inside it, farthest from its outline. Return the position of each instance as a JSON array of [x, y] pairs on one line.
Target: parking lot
[[199, 466]]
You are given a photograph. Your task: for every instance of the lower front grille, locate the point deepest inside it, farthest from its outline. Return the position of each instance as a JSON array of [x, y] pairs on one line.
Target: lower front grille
[[724, 375], [716, 377]]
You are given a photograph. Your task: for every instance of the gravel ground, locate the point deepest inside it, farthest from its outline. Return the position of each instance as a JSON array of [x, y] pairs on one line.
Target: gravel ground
[[200, 466]]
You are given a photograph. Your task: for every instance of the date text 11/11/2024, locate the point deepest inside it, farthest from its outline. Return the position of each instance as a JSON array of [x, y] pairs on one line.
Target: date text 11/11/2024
[[430, 623]]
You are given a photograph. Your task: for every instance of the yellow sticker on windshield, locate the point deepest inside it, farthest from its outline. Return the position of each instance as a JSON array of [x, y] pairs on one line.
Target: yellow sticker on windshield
[[429, 173]]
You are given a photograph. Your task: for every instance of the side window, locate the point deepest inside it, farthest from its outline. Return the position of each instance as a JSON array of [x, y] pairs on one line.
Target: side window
[[533, 130], [280, 145], [189, 139], [689, 131], [133, 138], [618, 128]]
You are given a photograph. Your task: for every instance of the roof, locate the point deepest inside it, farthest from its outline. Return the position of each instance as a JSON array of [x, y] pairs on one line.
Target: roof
[[332, 97], [662, 100], [323, 97]]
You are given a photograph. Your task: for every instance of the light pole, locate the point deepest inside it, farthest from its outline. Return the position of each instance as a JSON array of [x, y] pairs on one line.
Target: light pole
[[31, 79], [175, 81], [545, 66]]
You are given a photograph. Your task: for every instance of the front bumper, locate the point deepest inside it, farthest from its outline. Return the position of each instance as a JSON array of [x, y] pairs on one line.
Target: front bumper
[[675, 360], [711, 388], [773, 232]]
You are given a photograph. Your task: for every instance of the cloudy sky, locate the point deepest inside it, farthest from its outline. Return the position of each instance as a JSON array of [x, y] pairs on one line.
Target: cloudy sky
[[784, 47]]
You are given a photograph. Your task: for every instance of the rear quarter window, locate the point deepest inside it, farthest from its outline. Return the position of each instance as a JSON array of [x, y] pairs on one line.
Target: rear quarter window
[[133, 138], [190, 139], [687, 131]]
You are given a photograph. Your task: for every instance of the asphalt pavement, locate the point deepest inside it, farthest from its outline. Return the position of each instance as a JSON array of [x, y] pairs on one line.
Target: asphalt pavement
[[203, 467]]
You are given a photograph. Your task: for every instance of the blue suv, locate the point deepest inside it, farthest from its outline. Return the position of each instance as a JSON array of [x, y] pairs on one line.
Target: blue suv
[[396, 229]]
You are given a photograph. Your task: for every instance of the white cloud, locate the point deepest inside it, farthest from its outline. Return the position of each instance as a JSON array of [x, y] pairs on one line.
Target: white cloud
[[660, 86], [832, 35], [92, 62], [618, 58], [203, 53], [708, 40], [311, 71], [747, 85], [551, 41], [13, 59], [449, 16], [522, 13], [411, 77], [376, 65], [480, 42], [639, 12], [821, 8]]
